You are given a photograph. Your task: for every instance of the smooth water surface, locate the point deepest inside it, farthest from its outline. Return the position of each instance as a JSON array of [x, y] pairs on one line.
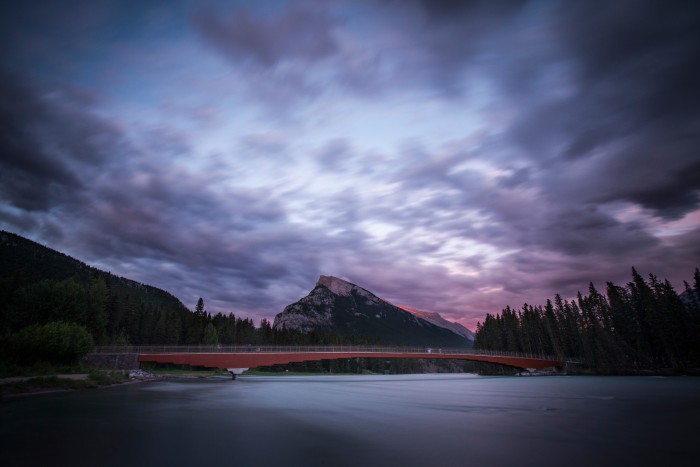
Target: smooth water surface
[[409, 420]]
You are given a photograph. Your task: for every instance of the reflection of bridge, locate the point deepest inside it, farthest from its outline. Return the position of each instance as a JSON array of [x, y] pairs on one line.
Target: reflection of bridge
[[237, 359]]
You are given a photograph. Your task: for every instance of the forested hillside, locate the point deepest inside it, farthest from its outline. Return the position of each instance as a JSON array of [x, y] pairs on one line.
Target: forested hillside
[[644, 325], [40, 285]]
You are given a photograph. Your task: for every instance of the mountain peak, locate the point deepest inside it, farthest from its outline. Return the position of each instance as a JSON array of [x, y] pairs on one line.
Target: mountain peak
[[338, 307], [336, 285], [344, 288]]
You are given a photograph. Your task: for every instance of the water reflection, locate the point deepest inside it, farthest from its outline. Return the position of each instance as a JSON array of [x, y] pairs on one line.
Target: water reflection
[[416, 420]]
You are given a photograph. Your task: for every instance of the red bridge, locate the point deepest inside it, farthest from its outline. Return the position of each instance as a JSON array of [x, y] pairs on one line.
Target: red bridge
[[237, 359]]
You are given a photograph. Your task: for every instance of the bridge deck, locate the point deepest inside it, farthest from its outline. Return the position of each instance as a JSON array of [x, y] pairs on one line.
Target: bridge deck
[[255, 356]]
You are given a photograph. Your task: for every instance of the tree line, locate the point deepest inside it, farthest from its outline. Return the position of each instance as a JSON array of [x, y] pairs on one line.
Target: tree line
[[644, 325]]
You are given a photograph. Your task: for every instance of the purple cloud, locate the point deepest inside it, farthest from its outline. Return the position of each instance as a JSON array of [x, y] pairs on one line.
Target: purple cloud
[[299, 33]]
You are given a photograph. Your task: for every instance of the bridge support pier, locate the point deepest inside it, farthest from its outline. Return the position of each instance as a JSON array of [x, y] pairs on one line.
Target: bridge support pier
[[235, 371]]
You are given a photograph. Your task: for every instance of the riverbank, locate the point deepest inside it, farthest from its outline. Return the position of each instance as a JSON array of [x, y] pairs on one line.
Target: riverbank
[[28, 385], [17, 386]]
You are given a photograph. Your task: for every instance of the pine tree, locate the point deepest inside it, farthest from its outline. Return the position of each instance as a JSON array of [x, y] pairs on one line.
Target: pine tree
[[210, 335], [199, 308]]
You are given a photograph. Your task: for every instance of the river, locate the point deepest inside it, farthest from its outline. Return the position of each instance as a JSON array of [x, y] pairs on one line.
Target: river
[[393, 420]]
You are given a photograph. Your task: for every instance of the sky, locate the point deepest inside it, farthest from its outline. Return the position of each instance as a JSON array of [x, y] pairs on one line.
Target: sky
[[450, 156]]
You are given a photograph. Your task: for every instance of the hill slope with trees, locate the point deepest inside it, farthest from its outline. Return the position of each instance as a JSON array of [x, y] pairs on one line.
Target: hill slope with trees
[[40, 285]]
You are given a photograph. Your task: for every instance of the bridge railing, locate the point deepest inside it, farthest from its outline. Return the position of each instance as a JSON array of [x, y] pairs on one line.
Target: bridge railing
[[369, 349]]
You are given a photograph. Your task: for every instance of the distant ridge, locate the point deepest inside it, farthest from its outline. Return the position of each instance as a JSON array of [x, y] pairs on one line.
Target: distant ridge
[[436, 319]]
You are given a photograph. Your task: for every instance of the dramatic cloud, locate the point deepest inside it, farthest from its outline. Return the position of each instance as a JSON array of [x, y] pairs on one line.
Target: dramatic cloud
[[298, 34], [454, 156], [48, 144]]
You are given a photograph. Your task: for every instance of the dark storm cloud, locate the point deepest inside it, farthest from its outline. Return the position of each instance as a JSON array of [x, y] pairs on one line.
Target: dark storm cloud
[[635, 107], [570, 232], [166, 209], [655, 38], [299, 33], [631, 72], [278, 54], [655, 171], [45, 143], [444, 40]]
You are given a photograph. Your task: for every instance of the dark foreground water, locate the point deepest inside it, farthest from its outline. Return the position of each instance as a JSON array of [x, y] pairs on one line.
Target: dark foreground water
[[415, 420]]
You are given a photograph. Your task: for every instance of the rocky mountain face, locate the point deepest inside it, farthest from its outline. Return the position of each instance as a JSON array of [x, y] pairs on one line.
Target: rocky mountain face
[[336, 306]]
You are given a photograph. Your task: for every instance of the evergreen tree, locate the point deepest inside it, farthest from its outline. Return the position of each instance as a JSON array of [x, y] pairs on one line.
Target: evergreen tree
[[199, 308], [210, 335]]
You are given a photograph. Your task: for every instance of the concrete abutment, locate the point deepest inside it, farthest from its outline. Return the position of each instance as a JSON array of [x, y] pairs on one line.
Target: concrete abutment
[[235, 372]]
